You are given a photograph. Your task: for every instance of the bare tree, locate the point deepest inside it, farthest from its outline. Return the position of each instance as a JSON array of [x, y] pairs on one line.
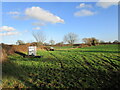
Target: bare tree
[[52, 42], [39, 37], [71, 38]]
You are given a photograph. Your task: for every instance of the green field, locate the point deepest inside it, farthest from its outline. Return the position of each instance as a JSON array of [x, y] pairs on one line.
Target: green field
[[90, 67]]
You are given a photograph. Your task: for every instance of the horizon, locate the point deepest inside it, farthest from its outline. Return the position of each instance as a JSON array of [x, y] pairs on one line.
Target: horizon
[[56, 19]]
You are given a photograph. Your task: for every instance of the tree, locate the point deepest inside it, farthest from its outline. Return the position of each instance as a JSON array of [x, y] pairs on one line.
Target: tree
[[116, 41], [94, 41], [87, 41], [39, 37], [102, 41], [60, 43], [71, 38], [52, 42], [46, 44], [20, 42], [109, 42], [91, 41]]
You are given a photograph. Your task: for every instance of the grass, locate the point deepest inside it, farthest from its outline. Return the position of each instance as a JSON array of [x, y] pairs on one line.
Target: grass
[[64, 47], [113, 47], [90, 67]]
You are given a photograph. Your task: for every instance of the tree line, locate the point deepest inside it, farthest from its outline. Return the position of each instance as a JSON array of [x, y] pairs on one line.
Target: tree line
[[70, 38]]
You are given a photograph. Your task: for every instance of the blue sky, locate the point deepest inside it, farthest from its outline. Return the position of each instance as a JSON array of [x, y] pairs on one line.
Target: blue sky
[[89, 19]]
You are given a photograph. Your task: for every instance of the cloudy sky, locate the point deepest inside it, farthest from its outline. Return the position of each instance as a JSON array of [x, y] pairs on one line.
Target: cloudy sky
[[93, 19]]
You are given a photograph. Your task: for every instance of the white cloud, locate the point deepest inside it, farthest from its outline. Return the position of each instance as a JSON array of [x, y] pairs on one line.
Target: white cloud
[[38, 24], [9, 33], [21, 17], [25, 30], [14, 13], [37, 28], [42, 15], [83, 5], [7, 28], [84, 13], [106, 3]]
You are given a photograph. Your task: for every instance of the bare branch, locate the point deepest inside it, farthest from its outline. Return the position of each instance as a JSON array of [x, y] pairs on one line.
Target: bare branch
[[71, 38], [39, 37]]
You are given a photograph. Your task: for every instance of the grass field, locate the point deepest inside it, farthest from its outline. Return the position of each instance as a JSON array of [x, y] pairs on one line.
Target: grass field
[[90, 67]]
